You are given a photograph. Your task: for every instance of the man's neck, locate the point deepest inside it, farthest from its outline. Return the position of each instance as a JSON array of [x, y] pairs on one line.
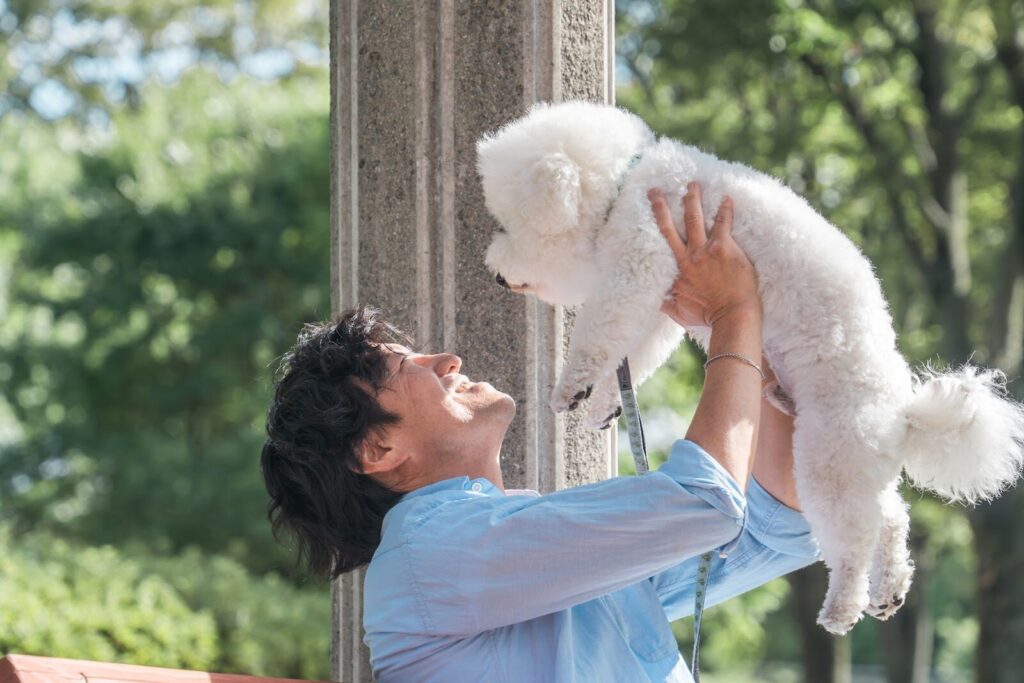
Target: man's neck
[[476, 463], [488, 468]]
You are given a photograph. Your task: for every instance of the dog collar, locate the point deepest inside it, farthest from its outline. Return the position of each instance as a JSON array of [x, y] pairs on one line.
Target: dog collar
[[633, 161]]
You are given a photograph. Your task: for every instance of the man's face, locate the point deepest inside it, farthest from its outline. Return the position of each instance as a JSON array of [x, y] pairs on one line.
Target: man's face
[[447, 420]]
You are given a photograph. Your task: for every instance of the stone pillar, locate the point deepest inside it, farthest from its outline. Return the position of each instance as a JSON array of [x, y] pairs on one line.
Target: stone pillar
[[414, 83]]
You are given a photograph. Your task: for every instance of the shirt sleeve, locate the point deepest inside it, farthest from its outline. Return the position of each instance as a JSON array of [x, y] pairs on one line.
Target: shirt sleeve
[[479, 562], [776, 540]]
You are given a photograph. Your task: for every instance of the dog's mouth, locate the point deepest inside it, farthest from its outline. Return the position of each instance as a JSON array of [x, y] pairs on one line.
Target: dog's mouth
[[518, 288]]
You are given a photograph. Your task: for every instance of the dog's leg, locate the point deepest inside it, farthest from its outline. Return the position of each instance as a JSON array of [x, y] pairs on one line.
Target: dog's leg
[[891, 567], [624, 305], [842, 509], [846, 543], [650, 351]]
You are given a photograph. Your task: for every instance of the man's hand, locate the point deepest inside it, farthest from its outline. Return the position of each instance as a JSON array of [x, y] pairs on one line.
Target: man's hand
[[715, 276]]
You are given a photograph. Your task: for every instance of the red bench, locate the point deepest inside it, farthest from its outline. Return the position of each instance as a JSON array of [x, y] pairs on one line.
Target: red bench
[[29, 669]]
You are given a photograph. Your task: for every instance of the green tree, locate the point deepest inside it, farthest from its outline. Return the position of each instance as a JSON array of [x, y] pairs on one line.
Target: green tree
[[902, 123], [163, 235], [156, 270]]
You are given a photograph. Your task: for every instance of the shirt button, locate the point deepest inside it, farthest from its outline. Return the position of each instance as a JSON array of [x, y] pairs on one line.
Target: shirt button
[[477, 486]]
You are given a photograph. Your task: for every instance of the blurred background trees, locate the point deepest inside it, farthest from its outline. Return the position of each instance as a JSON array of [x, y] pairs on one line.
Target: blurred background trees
[[164, 194], [902, 123], [164, 233]]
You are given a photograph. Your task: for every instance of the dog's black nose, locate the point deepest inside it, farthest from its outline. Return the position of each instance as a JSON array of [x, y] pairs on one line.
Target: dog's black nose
[[501, 281]]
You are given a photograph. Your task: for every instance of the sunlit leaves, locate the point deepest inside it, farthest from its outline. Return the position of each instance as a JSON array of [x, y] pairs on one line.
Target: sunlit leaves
[[165, 265]]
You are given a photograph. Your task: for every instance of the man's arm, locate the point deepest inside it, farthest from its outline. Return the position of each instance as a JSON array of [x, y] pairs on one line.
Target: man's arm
[[477, 563], [776, 540], [773, 463], [725, 422], [716, 286]]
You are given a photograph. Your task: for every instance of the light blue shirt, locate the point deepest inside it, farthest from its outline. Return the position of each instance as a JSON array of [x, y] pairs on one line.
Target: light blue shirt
[[473, 584]]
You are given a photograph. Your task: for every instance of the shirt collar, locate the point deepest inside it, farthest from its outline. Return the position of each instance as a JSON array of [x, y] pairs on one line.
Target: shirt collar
[[479, 485]]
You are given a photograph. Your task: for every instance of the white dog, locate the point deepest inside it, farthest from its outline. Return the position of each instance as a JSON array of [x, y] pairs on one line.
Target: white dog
[[568, 183]]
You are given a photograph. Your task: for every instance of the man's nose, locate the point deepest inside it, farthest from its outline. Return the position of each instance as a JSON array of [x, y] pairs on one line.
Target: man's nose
[[449, 362]]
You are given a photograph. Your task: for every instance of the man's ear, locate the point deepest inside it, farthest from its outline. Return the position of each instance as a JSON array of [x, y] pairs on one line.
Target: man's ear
[[552, 184], [375, 457]]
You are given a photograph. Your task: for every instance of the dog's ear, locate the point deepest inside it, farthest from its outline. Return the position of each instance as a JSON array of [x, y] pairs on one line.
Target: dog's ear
[[552, 185]]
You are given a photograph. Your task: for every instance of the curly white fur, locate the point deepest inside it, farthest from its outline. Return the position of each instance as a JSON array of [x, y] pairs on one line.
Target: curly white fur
[[578, 229]]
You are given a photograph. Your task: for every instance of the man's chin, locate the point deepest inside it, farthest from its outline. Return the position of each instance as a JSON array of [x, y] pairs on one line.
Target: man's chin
[[506, 402], [484, 395]]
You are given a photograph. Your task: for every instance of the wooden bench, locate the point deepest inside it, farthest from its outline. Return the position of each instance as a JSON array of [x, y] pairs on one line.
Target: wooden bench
[[30, 669]]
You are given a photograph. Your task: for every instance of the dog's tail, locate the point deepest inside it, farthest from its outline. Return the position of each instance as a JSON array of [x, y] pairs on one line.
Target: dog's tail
[[964, 436]]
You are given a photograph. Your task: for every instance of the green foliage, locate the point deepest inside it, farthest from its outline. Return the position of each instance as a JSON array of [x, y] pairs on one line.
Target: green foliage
[[93, 603], [733, 635], [159, 248], [188, 611], [266, 625], [156, 270]]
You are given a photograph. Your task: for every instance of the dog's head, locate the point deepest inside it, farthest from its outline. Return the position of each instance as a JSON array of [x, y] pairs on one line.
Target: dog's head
[[549, 178]]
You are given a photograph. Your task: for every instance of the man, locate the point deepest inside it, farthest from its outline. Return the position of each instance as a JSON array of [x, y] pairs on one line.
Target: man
[[377, 454]]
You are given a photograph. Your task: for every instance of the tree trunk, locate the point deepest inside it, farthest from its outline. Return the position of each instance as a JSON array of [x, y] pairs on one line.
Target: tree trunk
[[997, 537], [826, 658], [908, 638]]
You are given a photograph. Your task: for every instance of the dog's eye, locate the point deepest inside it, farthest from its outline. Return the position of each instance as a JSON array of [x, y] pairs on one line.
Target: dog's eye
[[500, 231]]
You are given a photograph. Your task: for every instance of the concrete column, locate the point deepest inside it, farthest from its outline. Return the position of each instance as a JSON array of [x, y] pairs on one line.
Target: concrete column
[[414, 83]]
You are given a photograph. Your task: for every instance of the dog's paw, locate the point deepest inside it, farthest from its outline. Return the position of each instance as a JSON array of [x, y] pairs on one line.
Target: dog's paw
[[886, 609], [604, 407], [845, 601], [597, 421], [564, 398], [612, 419], [889, 590], [838, 618]]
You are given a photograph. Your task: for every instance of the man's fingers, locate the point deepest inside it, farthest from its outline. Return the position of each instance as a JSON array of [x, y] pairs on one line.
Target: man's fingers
[[665, 223], [693, 216], [723, 220]]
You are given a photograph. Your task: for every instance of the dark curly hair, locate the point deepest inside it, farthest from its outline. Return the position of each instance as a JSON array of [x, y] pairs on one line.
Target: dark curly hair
[[321, 412]]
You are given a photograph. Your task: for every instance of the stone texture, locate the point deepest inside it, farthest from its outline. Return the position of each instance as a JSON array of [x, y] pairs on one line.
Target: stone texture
[[413, 85]]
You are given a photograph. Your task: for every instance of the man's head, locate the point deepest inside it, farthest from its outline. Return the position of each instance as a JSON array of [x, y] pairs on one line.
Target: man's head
[[358, 418]]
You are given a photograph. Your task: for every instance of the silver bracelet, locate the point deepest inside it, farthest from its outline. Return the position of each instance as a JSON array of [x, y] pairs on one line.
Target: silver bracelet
[[736, 355]]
